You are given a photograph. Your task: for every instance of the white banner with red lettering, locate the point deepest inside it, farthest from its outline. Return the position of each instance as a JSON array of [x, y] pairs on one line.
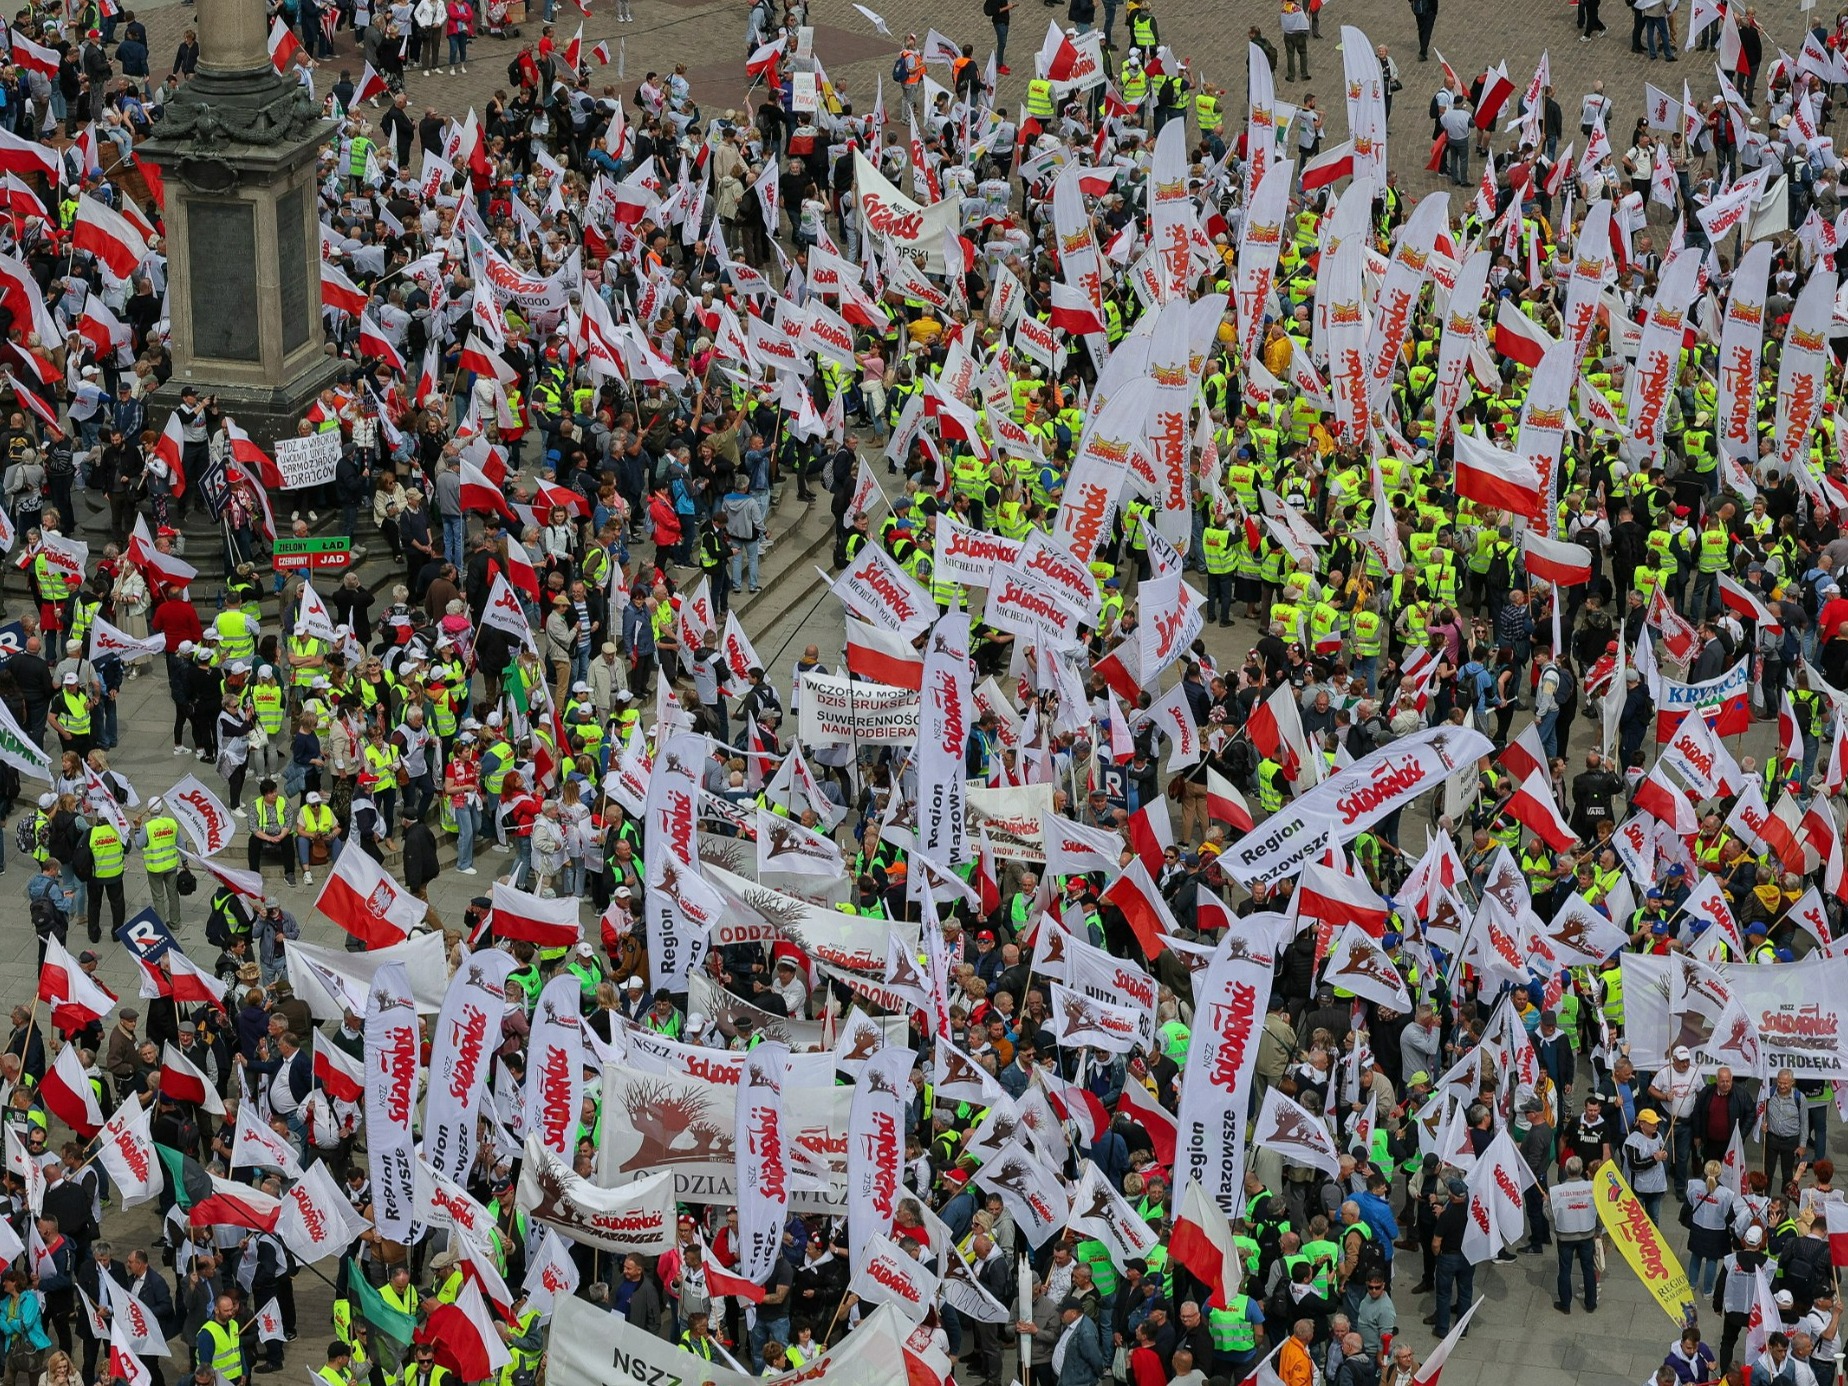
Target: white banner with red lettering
[[1346, 804], [1800, 1010], [762, 1161], [638, 1217], [317, 1220], [206, 820], [590, 1346], [885, 1273], [970, 556], [876, 1146], [1230, 1001], [945, 719], [918, 232], [468, 1031], [394, 1064], [555, 1067]]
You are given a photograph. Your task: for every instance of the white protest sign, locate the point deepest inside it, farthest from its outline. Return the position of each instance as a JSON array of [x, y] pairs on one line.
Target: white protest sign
[[308, 461]]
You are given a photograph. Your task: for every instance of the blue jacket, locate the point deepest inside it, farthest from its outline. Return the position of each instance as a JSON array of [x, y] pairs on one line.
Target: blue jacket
[[1377, 1214], [1084, 1356], [20, 1321]]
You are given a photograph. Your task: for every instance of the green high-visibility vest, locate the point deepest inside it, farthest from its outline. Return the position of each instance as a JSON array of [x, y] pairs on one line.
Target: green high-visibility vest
[[1232, 1328], [266, 701], [75, 714], [107, 851], [162, 854], [227, 1349]]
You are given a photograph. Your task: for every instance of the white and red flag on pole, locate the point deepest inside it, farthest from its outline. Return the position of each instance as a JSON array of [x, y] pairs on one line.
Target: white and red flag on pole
[[182, 1080], [109, 236], [370, 905], [1202, 1241], [1490, 476], [1562, 564]]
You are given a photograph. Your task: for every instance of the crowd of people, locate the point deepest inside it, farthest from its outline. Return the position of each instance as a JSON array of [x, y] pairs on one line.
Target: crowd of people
[[1478, 473]]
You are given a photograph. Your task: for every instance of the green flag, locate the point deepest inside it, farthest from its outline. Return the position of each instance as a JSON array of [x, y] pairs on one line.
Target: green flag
[[189, 1180], [514, 686], [373, 1308]]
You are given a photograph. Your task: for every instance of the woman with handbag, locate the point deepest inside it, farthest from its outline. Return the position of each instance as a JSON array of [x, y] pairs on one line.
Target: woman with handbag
[[27, 1342]]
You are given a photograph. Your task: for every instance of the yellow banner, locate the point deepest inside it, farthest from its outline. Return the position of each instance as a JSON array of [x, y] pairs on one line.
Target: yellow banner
[[1642, 1243]]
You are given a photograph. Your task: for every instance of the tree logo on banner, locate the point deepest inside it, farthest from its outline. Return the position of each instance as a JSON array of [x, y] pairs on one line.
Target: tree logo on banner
[[1237, 948], [1364, 960], [665, 1116]]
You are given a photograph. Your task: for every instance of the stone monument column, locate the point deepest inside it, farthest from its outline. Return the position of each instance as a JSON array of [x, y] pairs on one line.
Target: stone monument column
[[237, 148]]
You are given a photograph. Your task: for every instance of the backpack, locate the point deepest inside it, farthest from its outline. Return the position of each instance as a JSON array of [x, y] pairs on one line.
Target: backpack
[[84, 862], [1501, 567], [48, 921], [1476, 683], [900, 71], [29, 835], [1568, 685], [1370, 1260]]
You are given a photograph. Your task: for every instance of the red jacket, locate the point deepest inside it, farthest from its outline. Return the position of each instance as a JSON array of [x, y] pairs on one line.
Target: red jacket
[[178, 622], [666, 522]]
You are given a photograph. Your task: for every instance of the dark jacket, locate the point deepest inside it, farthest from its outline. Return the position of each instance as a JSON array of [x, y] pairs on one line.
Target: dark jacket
[[419, 856], [1739, 1109], [647, 1309]]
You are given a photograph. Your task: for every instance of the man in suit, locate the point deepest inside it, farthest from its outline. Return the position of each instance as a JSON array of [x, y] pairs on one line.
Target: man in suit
[[290, 1074], [68, 1204], [90, 1276], [150, 1287], [56, 1282]]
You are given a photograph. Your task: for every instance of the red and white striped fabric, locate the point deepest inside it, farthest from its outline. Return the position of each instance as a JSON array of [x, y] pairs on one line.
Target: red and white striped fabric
[[1533, 807], [27, 156], [1135, 1103], [1334, 898], [31, 55], [1337, 161], [478, 494], [1202, 1242], [481, 358], [283, 45], [67, 1094], [520, 570], [340, 293], [1143, 908], [1489, 476], [1072, 311], [1564, 565], [370, 85], [1225, 804], [1524, 755], [883, 656], [373, 343], [75, 997], [101, 328], [370, 905], [1276, 729], [183, 980], [170, 449], [181, 1080], [540, 922], [109, 236], [1663, 800], [1746, 603], [341, 1076]]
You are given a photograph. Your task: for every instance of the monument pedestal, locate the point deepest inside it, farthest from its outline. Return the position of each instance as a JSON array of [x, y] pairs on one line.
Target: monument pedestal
[[237, 148]]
